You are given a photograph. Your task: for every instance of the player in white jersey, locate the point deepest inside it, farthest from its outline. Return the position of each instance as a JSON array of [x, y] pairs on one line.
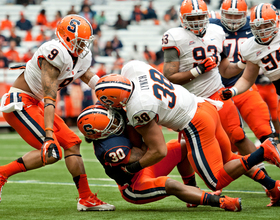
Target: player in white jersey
[[54, 65], [259, 51], [194, 55], [152, 101]]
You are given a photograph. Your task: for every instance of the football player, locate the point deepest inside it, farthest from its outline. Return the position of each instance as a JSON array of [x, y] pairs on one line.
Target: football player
[[194, 55], [260, 51], [152, 101], [107, 129], [250, 104], [54, 65]]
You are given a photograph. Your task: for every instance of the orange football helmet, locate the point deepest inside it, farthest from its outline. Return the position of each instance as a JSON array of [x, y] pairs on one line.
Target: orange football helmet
[[76, 35], [97, 122], [233, 14], [113, 90], [264, 22], [194, 16]]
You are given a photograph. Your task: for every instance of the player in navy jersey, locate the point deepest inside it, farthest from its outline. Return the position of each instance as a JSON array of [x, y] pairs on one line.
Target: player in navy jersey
[[250, 104], [107, 129]]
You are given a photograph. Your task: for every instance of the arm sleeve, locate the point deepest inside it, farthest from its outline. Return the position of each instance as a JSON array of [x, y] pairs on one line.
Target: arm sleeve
[[171, 55], [224, 53]]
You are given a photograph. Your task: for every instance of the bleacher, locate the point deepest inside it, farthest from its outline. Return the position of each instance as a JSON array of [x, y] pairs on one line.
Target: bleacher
[[143, 33]]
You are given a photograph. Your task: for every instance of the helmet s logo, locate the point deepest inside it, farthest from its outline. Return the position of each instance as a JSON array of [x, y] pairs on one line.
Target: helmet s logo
[[106, 101], [88, 129], [72, 26]]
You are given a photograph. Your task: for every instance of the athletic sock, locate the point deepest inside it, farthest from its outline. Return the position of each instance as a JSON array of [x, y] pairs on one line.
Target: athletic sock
[[260, 177], [81, 183], [252, 159], [208, 199], [13, 168]]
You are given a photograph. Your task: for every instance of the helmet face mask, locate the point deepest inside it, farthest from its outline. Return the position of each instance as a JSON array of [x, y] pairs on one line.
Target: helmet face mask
[[194, 16], [233, 21], [233, 14], [98, 122], [75, 33], [264, 22]]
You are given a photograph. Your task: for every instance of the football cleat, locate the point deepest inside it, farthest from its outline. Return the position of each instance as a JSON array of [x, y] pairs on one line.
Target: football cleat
[[231, 204], [3, 180], [275, 195], [271, 152], [92, 203]]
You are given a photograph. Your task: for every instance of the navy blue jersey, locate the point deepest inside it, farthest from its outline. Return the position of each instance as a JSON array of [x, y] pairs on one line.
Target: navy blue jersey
[[111, 152], [232, 43]]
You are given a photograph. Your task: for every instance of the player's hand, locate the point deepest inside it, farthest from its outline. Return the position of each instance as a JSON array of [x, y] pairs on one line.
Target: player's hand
[[226, 94], [132, 168], [49, 150], [207, 64]]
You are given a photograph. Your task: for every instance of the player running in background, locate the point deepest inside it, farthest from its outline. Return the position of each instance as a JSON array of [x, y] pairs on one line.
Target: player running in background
[[250, 104], [107, 129], [54, 65], [152, 101], [193, 57]]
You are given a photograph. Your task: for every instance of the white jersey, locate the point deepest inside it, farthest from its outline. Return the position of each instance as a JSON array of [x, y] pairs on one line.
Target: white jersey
[[155, 97], [58, 56], [267, 57], [192, 50]]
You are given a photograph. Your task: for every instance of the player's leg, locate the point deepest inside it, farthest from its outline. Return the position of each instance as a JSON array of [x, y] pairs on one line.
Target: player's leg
[[194, 195], [205, 154], [146, 188], [232, 124], [255, 113], [29, 124], [70, 142], [270, 97]]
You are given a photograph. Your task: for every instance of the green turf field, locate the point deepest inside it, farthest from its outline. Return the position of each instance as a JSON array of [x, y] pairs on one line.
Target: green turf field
[[49, 192]]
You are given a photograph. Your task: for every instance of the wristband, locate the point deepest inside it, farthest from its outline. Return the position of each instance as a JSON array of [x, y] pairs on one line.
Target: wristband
[[48, 97], [92, 82], [195, 71], [134, 167], [241, 65], [234, 91], [48, 104], [48, 129]]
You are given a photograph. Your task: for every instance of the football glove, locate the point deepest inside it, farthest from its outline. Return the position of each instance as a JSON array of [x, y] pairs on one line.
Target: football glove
[[226, 94], [49, 150], [207, 64], [132, 168]]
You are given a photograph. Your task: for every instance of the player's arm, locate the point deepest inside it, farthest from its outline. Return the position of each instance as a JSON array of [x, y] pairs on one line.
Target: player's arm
[[154, 139], [137, 153], [228, 69], [90, 78], [247, 79], [49, 75], [171, 67]]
